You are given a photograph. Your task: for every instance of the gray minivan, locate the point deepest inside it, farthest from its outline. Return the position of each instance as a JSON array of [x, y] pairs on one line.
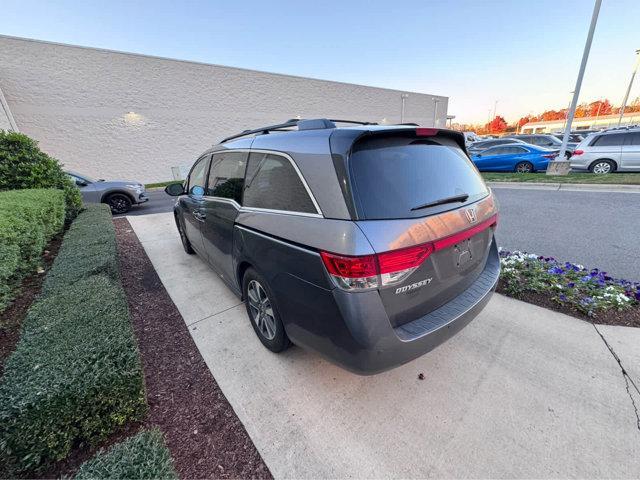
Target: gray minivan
[[368, 244]]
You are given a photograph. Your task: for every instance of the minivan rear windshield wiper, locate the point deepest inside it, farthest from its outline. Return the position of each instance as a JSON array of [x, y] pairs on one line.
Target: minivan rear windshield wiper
[[456, 198]]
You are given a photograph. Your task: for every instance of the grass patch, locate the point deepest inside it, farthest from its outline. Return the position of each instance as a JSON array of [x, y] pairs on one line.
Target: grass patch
[[28, 221], [75, 376], [161, 184], [588, 178], [143, 456]]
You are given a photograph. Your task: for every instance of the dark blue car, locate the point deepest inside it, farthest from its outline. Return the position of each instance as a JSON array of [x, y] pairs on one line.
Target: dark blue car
[[521, 158]]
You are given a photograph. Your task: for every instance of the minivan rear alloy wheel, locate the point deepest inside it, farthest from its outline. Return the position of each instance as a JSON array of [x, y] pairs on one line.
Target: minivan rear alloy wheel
[[263, 313], [119, 203], [601, 167], [524, 167]]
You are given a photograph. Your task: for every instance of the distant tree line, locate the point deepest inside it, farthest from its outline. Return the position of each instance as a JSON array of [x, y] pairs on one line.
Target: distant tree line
[[593, 109]]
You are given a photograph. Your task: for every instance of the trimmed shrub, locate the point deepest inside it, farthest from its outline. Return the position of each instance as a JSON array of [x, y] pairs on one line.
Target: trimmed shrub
[[75, 376], [89, 248], [143, 456], [28, 221], [24, 165]]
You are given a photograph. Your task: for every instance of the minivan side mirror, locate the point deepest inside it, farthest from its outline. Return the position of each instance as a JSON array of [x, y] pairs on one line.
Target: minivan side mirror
[[174, 189], [81, 183]]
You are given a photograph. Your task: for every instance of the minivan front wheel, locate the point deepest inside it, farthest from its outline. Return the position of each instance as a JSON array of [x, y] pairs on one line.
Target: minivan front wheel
[[263, 313], [601, 167], [186, 244], [524, 167]]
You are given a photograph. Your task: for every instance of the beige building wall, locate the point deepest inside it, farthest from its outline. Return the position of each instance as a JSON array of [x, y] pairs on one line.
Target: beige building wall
[[119, 115]]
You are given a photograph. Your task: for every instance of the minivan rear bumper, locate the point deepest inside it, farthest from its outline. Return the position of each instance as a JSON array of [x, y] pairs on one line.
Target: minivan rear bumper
[[354, 330]]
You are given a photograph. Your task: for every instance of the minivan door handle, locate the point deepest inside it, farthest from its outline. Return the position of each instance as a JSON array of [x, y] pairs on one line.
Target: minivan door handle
[[198, 215]]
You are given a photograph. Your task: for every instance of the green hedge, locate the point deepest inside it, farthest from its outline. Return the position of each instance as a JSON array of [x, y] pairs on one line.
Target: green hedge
[[24, 165], [144, 456], [75, 375], [28, 221]]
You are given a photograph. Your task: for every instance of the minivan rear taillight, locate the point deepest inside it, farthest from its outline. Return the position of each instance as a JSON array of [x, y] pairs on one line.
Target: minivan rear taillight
[[577, 152], [367, 272]]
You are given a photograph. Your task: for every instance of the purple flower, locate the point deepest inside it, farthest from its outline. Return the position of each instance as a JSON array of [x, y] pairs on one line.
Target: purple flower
[[563, 297], [586, 278], [556, 271], [586, 300], [638, 295], [571, 284]]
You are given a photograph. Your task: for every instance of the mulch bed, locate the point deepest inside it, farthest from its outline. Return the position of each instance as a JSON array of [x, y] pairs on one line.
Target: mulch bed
[[203, 433], [11, 319], [626, 318]]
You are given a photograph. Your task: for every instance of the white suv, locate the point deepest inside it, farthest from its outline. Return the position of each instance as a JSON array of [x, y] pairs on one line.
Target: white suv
[[609, 151]]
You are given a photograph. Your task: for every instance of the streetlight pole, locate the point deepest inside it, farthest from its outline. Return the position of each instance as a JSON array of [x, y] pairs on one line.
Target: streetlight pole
[[435, 111], [561, 166], [403, 96], [626, 97]]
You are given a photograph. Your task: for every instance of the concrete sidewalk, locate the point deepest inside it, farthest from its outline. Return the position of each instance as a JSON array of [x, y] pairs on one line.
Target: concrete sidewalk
[[572, 187], [521, 392]]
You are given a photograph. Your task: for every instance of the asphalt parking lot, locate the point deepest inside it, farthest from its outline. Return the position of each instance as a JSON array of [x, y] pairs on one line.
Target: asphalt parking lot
[[594, 228], [521, 392]]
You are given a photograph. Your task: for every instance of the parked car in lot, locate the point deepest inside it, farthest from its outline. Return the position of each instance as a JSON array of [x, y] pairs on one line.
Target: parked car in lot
[[609, 151], [485, 144], [521, 158], [574, 138], [369, 244], [120, 195], [545, 141]]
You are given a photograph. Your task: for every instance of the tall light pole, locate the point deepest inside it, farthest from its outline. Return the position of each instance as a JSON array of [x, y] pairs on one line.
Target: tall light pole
[[404, 97], [435, 111], [567, 114], [626, 97], [561, 166]]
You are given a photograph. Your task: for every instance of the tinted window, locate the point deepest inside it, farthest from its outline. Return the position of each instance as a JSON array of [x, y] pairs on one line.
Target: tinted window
[[273, 183], [613, 140], [198, 174], [633, 138], [226, 177], [494, 151], [391, 179], [513, 150]]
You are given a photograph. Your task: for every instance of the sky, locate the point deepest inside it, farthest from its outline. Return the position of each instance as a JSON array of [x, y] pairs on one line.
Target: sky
[[524, 54]]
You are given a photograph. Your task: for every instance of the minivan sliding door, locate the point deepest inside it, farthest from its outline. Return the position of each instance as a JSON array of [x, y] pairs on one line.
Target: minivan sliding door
[[221, 207]]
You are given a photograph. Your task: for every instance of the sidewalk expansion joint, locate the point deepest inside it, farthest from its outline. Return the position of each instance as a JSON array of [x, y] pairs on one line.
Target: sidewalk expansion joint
[[627, 378], [217, 313]]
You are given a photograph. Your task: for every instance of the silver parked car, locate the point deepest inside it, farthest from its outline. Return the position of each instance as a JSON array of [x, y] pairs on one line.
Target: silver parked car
[[120, 195], [609, 151]]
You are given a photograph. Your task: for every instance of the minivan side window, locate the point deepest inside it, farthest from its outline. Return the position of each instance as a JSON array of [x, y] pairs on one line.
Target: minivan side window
[[273, 183], [226, 177], [613, 140], [198, 174], [633, 138]]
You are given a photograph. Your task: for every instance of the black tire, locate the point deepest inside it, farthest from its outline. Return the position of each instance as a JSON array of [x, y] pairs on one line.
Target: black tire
[[602, 167], [119, 203], [524, 167], [186, 244], [270, 333]]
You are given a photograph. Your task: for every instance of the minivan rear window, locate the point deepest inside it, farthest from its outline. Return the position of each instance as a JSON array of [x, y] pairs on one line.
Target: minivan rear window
[[392, 179]]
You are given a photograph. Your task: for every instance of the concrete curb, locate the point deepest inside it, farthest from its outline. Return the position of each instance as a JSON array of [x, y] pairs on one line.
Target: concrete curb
[[568, 186]]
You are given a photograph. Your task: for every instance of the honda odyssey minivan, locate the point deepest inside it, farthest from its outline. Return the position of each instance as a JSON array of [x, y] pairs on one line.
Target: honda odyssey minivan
[[369, 244]]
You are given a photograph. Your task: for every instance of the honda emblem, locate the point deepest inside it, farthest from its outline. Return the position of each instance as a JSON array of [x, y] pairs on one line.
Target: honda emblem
[[471, 215]]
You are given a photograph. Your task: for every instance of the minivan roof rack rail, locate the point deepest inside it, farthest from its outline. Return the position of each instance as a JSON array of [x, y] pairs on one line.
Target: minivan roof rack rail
[[301, 123]]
